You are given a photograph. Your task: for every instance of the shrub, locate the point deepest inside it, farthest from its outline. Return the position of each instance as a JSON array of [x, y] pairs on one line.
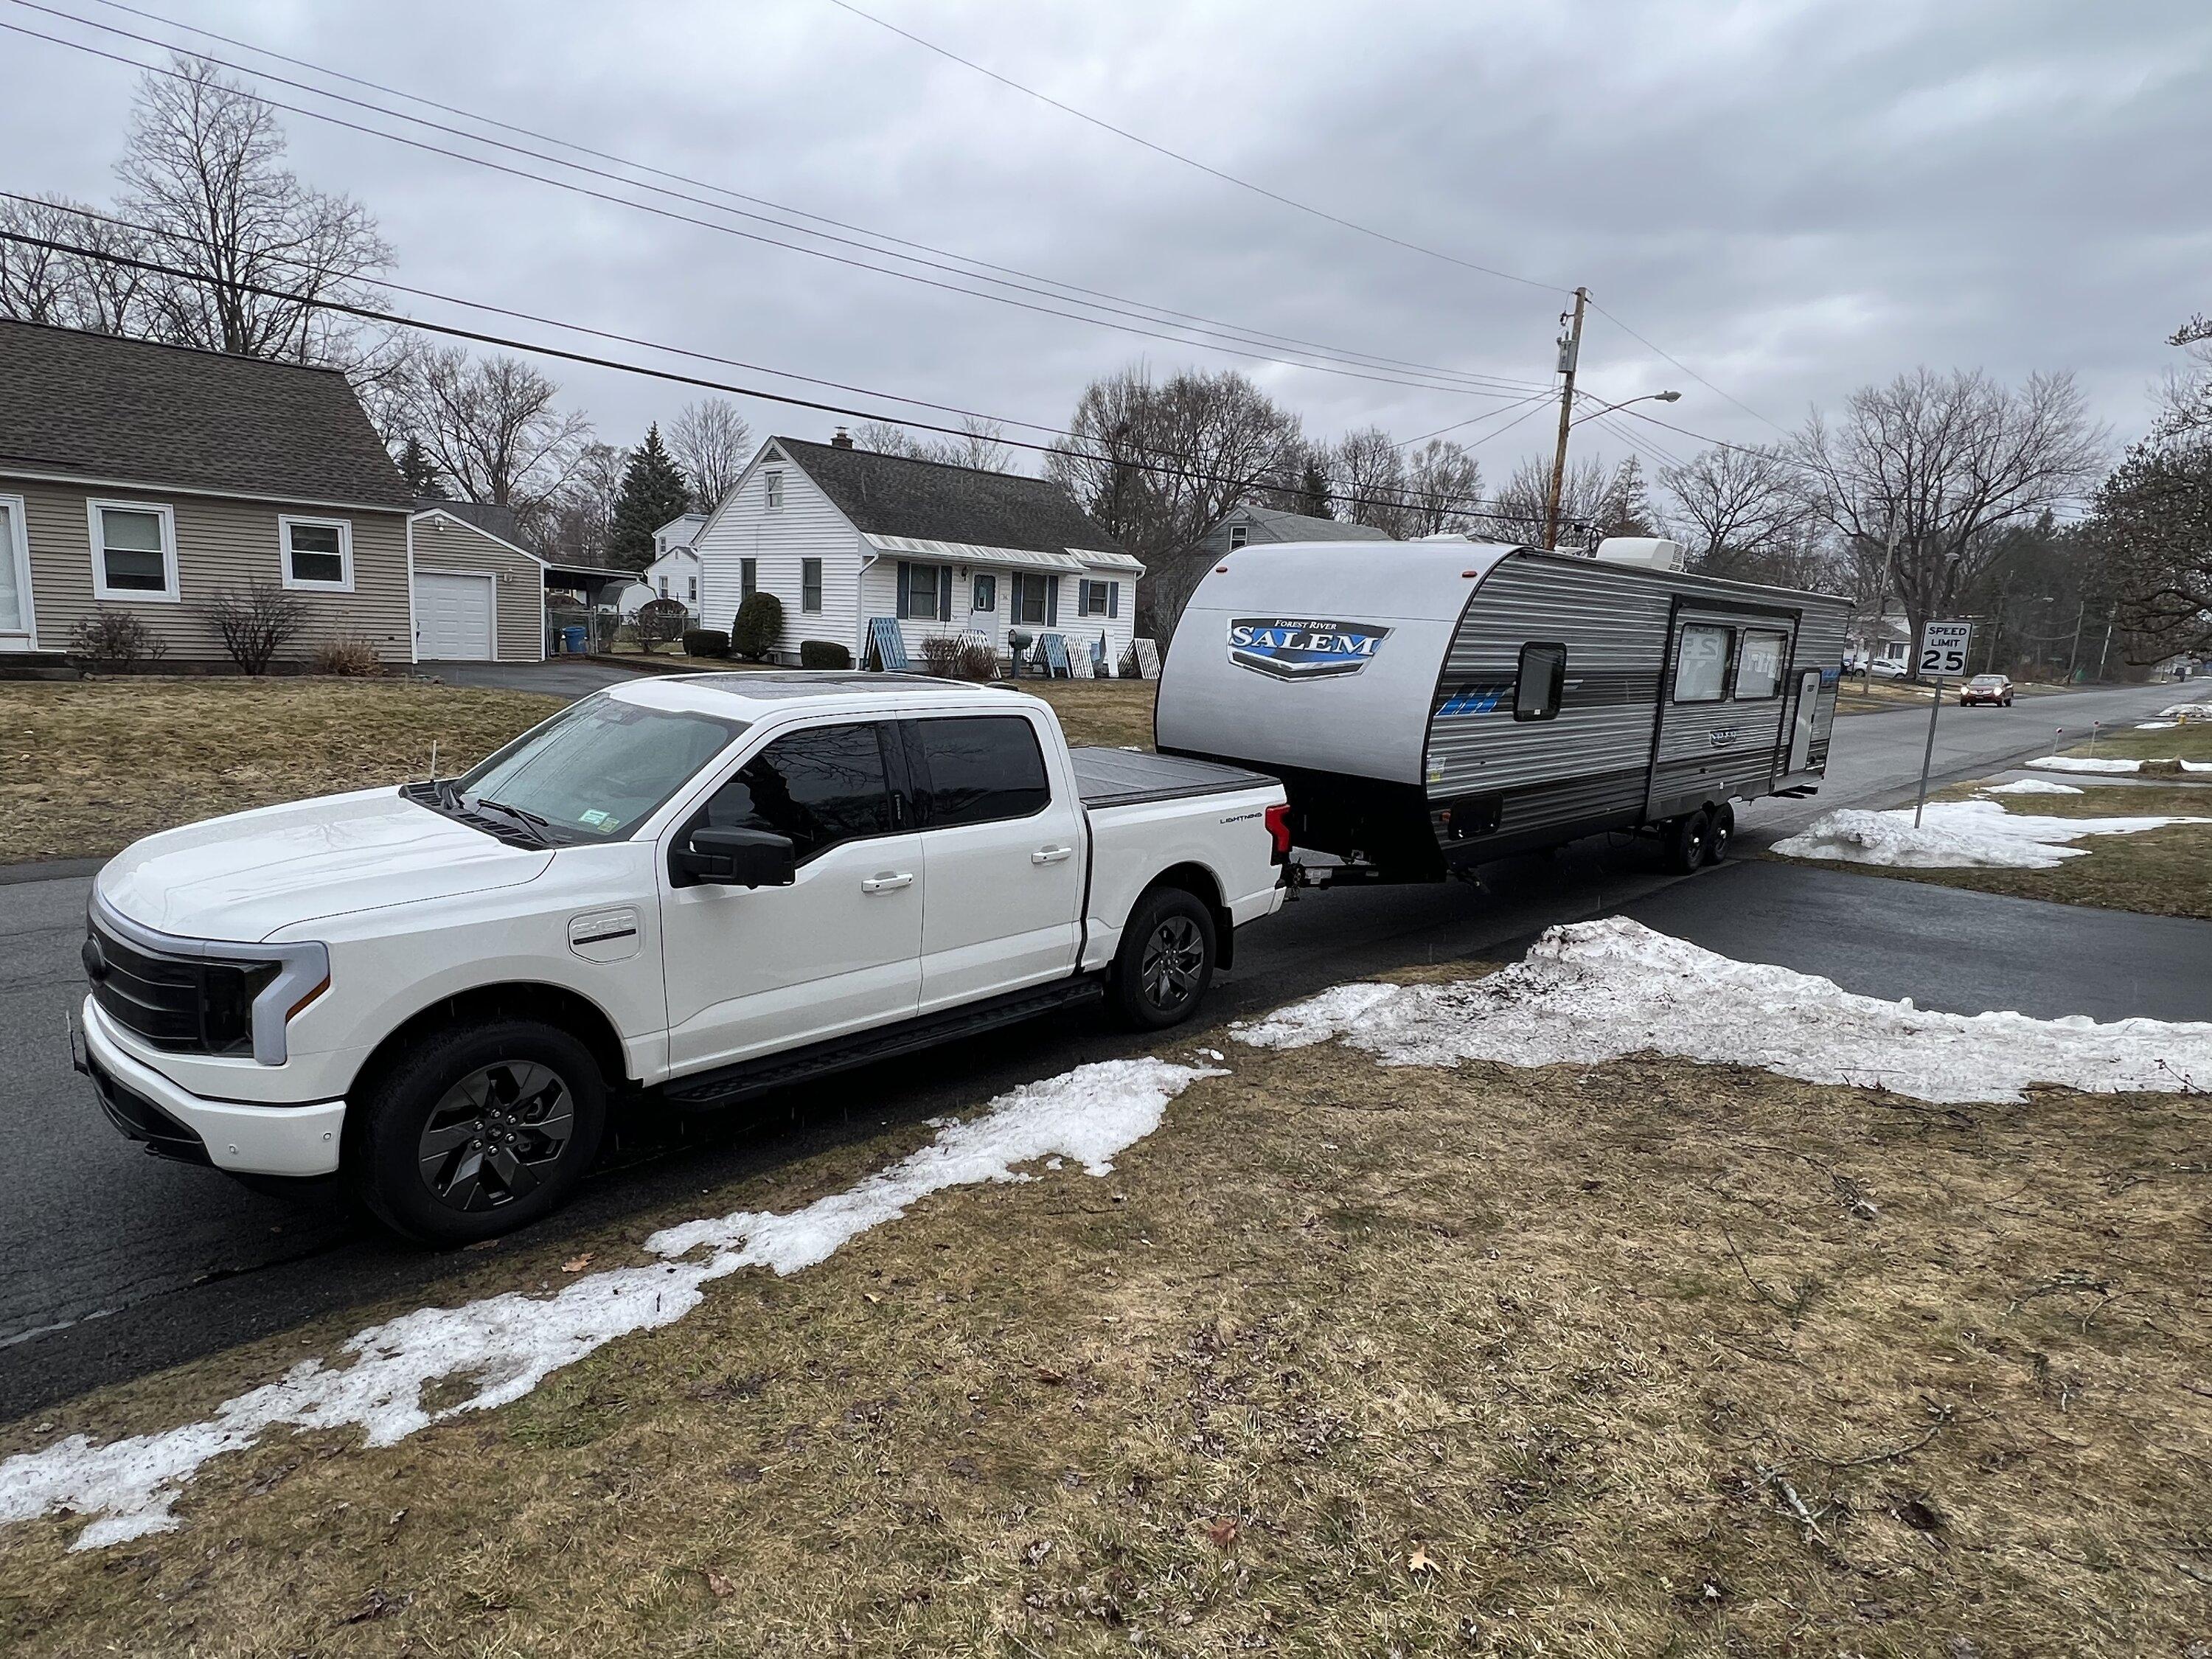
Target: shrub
[[978, 662], [352, 659], [952, 658], [256, 623], [824, 654], [940, 655], [115, 639], [705, 642], [760, 620], [661, 621]]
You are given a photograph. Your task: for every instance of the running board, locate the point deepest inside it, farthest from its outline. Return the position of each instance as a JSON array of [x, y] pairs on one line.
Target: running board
[[727, 1085]]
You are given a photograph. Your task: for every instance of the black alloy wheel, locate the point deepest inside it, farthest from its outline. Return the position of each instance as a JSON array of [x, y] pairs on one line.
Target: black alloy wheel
[[495, 1134], [1166, 959], [1174, 962]]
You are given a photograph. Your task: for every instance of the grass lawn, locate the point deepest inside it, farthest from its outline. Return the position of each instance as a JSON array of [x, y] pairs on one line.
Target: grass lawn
[[1637, 1359], [88, 766], [2190, 740], [1111, 713], [2160, 872]]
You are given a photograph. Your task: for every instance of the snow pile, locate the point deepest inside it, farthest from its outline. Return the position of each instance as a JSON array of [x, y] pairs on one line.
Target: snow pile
[[2156, 726], [1965, 835], [2187, 711], [507, 1345], [2032, 786], [2091, 763], [1594, 991]]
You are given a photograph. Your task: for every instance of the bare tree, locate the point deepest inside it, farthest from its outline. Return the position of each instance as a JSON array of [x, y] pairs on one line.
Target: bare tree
[[1594, 501], [1931, 466], [256, 623], [578, 524], [981, 444], [2151, 534], [710, 441], [72, 290], [1443, 483], [203, 171], [1745, 514], [490, 428], [1368, 476]]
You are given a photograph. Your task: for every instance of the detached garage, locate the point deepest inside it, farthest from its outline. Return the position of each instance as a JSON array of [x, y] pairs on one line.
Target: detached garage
[[478, 598]]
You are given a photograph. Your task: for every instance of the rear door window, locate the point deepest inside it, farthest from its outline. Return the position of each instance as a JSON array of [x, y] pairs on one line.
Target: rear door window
[[977, 770], [820, 786], [1701, 661], [1758, 670]]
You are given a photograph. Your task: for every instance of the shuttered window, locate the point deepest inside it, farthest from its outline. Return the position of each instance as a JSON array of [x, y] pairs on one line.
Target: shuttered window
[[924, 591]]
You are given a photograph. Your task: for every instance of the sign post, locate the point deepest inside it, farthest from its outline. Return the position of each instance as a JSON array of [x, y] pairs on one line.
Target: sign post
[[1942, 653]]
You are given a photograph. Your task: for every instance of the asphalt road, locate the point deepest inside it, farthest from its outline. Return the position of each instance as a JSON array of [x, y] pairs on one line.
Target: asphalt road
[[119, 1264]]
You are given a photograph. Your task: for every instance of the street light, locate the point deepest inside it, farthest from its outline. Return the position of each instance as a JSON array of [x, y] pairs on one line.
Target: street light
[[1647, 398], [1568, 421]]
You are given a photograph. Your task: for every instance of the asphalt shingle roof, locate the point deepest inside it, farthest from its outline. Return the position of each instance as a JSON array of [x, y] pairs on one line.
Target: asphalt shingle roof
[[1298, 527], [133, 411], [891, 496]]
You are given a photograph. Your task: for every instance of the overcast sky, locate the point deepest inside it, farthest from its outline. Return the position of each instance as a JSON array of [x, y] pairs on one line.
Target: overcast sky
[[1793, 199]]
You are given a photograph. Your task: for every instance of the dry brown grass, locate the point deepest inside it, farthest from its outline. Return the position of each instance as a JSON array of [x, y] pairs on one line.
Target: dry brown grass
[[1114, 714], [87, 768], [1635, 1360], [2190, 740]]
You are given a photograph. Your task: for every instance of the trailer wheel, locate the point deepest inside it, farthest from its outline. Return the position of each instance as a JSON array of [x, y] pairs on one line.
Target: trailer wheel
[[1166, 959], [1687, 845], [1721, 834]]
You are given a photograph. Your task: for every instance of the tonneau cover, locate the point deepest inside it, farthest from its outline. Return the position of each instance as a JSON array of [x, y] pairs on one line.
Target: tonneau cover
[[1127, 777]]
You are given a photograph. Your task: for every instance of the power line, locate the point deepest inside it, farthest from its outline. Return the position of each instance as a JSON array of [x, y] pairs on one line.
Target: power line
[[1191, 161], [1237, 345], [371, 314], [1538, 398], [1687, 370], [760, 201]]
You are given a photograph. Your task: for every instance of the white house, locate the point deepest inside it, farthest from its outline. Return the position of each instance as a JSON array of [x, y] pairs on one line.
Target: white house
[[679, 531], [841, 535], [674, 575]]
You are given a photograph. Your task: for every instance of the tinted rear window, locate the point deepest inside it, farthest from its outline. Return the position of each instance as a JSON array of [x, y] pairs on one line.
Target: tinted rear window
[[978, 769]]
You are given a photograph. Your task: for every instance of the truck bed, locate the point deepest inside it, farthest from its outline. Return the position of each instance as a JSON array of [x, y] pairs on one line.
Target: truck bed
[[1130, 777]]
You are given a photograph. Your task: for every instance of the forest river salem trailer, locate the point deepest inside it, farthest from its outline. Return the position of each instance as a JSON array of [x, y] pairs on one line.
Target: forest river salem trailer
[[1432, 705]]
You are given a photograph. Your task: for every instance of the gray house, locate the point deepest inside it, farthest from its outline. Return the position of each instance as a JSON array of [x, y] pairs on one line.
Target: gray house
[[1169, 586], [146, 479]]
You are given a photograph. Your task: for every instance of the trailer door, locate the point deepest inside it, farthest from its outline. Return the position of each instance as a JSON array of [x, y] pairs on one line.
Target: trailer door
[[1801, 730], [1722, 693]]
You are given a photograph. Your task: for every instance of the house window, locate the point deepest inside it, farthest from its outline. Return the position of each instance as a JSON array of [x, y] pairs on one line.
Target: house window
[[663, 587], [985, 595], [1701, 660], [1759, 673], [318, 553], [1543, 682], [693, 583], [924, 591], [1034, 598], [810, 584], [16, 630], [1098, 598], [134, 551], [1237, 535], [772, 485], [748, 578]]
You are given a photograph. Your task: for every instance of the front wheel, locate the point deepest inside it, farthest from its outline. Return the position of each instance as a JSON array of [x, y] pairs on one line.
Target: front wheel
[[477, 1131], [1166, 959]]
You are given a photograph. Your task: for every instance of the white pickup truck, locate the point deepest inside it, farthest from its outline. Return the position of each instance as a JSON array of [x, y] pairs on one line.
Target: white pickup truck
[[709, 885]]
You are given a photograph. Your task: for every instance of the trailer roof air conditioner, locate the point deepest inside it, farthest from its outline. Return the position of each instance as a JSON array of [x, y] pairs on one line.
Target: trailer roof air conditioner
[[1651, 552]]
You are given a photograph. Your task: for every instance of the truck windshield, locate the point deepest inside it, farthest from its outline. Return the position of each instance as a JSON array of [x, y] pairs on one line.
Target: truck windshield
[[594, 771]]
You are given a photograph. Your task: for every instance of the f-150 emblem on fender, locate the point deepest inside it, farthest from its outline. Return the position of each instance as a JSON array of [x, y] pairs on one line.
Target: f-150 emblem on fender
[[1303, 649]]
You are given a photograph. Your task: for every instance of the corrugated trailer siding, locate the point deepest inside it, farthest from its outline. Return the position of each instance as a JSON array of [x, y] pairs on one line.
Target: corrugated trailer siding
[[221, 544], [1820, 645], [1591, 761], [518, 592]]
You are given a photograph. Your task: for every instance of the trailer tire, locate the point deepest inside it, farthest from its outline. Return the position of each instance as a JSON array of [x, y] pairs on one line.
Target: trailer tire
[[1721, 834], [527, 1097], [1165, 962], [1686, 843]]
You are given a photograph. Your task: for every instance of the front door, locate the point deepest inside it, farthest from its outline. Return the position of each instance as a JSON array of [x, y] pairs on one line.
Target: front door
[[1801, 730], [750, 971], [1005, 855]]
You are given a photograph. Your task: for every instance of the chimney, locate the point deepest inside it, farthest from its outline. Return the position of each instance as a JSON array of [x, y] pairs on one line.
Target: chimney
[[842, 440]]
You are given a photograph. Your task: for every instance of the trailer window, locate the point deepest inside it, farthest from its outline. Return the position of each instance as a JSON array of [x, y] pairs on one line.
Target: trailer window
[[1759, 669], [1701, 659], [1543, 682]]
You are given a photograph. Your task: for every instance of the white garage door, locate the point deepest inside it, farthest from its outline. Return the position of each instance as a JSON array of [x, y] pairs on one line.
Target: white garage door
[[452, 617]]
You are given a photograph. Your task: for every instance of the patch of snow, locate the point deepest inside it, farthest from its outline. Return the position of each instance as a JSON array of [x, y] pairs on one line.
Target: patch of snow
[[1594, 991], [2033, 787], [2156, 726], [509, 1343], [2186, 711], [2091, 763], [1963, 834]]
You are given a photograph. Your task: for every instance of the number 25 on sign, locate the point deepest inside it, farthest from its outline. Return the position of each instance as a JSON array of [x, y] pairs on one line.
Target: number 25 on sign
[[1942, 653]]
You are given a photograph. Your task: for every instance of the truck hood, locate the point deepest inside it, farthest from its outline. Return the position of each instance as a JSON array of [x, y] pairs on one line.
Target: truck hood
[[247, 876]]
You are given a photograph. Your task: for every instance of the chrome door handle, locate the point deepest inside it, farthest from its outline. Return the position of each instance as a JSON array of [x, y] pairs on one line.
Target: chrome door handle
[[1052, 854], [887, 883]]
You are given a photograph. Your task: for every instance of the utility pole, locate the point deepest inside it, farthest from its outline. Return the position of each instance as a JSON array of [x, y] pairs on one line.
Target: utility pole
[[2105, 655], [1571, 351], [2074, 656]]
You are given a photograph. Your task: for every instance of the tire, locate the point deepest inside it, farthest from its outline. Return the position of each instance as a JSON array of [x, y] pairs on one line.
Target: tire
[[1720, 834], [1166, 959], [477, 1131], [1686, 843]]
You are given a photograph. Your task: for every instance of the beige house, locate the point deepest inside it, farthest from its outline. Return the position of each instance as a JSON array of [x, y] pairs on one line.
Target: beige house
[[478, 595], [149, 480]]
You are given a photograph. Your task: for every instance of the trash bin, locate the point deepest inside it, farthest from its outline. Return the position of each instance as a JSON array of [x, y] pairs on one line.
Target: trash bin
[[572, 641]]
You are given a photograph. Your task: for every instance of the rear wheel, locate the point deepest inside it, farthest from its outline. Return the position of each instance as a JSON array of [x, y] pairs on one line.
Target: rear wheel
[[1687, 843], [478, 1130], [1166, 959], [1720, 834]]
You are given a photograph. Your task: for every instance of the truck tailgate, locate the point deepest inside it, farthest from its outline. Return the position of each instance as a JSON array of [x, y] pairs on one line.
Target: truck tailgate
[[1130, 777]]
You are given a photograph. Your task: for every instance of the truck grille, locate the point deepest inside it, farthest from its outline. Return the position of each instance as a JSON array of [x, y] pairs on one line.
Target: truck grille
[[187, 1005]]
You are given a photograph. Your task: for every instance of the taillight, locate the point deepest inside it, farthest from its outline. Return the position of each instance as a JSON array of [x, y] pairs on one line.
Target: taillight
[[1279, 829]]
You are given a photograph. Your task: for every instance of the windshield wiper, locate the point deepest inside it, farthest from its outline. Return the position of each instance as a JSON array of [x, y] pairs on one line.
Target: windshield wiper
[[540, 827]]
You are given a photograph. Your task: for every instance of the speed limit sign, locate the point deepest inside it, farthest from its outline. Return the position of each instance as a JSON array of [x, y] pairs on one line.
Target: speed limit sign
[[1944, 646]]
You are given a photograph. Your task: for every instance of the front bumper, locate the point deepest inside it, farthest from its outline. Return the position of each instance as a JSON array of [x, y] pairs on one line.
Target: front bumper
[[174, 1123]]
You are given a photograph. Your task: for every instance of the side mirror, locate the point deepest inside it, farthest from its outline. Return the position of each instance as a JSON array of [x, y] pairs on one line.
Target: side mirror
[[732, 858]]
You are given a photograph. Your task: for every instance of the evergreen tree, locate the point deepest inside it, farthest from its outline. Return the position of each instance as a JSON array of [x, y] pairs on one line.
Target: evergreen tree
[[1313, 491], [653, 491], [417, 467]]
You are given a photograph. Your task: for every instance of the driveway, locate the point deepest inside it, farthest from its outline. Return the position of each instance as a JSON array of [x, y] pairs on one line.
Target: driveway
[[119, 1264], [559, 677]]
